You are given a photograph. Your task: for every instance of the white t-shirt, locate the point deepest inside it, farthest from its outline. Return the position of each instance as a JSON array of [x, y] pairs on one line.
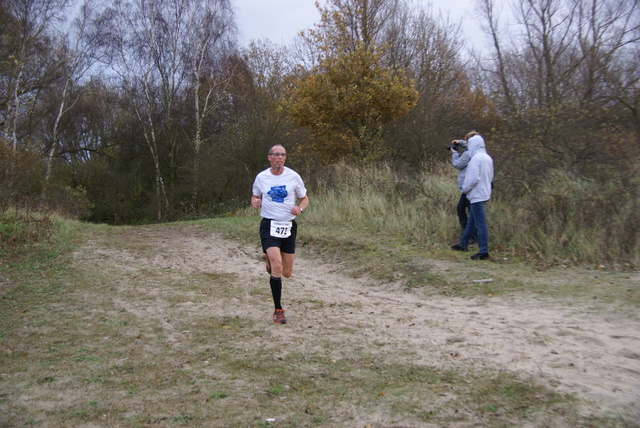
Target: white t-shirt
[[279, 193]]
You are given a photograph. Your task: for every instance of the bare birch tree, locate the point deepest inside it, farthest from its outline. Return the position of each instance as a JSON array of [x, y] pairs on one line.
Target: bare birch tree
[[78, 55], [166, 50], [207, 43], [29, 67], [145, 43]]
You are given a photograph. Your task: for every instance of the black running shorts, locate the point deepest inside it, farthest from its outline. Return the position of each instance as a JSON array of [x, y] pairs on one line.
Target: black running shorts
[[286, 245]]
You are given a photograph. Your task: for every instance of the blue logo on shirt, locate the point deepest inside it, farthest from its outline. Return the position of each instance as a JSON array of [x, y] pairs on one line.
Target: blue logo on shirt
[[278, 193]]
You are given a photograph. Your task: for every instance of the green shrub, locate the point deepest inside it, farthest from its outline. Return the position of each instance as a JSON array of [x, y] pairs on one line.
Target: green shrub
[[32, 235]]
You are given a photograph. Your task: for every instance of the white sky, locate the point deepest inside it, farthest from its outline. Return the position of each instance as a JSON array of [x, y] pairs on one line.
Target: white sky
[[281, 20]]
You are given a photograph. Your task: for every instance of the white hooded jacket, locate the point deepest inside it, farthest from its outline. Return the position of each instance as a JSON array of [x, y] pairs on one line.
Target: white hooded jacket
[[477, 180]]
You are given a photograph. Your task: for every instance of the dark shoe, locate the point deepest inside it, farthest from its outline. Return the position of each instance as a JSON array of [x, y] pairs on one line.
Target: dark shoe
[[458, 247], [278, 317], [480, 256]]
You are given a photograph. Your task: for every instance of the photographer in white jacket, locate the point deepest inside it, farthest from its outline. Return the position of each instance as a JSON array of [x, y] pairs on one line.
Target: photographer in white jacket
[[477, 186]]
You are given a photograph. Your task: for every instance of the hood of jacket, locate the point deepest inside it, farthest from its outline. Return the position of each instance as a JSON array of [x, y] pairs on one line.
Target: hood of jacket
[[476, 145]]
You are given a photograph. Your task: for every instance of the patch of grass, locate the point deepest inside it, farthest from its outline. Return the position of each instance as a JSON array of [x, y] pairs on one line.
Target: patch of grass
[[506, 394], [243, 228], [218, 394]]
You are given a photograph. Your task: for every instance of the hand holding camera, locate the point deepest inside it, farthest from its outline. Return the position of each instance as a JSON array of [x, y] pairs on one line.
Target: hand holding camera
[[456, 145]]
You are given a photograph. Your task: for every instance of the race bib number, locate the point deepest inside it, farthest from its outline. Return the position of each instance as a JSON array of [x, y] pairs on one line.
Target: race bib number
[[281, 229]]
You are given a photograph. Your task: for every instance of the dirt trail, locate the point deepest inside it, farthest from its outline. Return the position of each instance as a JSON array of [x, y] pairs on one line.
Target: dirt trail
[[591, 351]]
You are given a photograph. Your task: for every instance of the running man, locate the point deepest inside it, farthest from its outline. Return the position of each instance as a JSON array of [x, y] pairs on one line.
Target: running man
[[280, 194]]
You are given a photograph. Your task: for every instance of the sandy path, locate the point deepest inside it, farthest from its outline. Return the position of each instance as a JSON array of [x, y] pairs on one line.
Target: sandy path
[[592, 351]]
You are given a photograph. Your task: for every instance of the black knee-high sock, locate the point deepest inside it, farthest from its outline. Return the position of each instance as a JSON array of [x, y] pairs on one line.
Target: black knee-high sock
[[276, 290]]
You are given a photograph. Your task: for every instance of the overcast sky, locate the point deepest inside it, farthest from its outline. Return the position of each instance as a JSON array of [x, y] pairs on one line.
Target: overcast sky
[[281, 20]]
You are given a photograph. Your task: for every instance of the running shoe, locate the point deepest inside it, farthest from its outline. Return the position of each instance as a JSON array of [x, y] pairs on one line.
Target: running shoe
[[278, 316]]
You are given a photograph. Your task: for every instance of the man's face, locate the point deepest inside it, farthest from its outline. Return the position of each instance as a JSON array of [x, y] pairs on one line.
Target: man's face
[[277, 157]]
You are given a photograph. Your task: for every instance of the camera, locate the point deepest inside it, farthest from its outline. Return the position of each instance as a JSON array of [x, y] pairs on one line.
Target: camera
[[457, 144]]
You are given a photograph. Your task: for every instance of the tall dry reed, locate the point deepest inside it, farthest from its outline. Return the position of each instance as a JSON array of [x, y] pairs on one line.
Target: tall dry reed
[[565, 219]]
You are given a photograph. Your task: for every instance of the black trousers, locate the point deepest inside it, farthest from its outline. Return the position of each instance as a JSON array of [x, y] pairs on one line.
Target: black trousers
[[463, 209]]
